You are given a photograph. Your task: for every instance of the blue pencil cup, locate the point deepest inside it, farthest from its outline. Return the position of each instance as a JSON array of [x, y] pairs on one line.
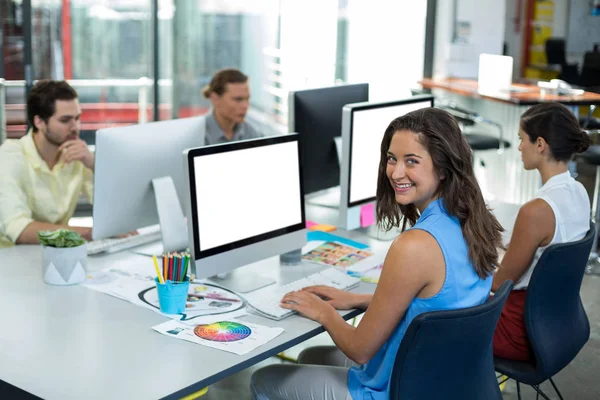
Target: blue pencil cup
[[172, 296]]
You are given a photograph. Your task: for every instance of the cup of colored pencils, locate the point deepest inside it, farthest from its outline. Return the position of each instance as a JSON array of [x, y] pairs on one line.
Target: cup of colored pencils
[[172, 283]]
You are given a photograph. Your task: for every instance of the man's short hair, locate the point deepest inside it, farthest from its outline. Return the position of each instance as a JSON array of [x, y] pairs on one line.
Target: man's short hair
[[43, 96]]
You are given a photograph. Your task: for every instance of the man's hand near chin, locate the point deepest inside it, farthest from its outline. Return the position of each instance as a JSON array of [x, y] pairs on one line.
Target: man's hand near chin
[[77, 150]]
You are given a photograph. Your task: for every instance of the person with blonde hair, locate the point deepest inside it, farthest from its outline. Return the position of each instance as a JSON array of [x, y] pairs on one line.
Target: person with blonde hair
[[229, 93]]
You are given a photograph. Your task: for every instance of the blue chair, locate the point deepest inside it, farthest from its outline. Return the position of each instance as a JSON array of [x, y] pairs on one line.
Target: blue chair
[[556, 323], [442, 348]]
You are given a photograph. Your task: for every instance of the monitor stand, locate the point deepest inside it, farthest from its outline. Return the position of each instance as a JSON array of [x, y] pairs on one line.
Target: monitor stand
[[326, 198], [241, 281], [170, 216]]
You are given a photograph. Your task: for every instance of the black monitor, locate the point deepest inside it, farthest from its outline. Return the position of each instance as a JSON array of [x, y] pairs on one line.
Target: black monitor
[[316, 115]]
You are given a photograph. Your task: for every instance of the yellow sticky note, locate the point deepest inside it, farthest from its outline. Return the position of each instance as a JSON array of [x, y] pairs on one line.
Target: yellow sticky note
[[323, 228]]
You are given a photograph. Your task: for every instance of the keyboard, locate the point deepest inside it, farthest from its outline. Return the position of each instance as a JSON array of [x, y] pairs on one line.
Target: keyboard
[[113, 245], [266, 302]]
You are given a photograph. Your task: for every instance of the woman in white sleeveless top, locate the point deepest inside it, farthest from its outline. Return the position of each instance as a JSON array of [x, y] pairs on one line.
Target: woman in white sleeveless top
[[560, 212]]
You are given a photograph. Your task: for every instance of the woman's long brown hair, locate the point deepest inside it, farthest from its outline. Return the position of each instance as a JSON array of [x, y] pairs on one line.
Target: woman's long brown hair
[[439, 133]]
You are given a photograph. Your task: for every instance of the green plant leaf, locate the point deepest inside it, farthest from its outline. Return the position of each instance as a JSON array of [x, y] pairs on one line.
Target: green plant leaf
[[60, 238]]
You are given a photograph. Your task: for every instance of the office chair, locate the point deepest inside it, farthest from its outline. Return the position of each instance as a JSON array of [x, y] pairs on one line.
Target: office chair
[[469, 119], [441, 348], [555, 54], [555, 51], [592, 156], [590, 72], [589, 122], [556, 323]]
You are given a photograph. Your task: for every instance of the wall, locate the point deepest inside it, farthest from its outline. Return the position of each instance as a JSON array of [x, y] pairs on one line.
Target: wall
[[583, 30], [515, 24], [481, 30]]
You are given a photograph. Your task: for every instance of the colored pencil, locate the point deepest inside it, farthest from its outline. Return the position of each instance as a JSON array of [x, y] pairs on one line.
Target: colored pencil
[[158, 274]]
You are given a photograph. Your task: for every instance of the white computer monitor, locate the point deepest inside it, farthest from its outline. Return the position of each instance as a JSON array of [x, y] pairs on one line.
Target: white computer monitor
[[246, 202], [128, 159], [363, 126], [495, 74]]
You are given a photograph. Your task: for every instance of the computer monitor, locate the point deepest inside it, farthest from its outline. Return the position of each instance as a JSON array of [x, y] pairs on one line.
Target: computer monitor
[[246, 203], [363, 126], [495, 74], [316, 115], [130, 162]]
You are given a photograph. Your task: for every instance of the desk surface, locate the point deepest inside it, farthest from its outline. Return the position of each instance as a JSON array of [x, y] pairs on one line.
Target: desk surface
[[70, 342], [530, 95], [74, 343]]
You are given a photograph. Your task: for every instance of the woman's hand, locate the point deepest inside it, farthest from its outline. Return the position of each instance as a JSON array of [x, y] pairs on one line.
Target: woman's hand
[[307, 304], [339, 299]]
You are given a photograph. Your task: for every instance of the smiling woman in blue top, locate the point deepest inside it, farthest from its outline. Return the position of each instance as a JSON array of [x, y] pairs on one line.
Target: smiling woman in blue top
[[443, 261]]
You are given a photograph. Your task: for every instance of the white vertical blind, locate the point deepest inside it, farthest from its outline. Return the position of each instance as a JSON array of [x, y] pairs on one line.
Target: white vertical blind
[[308, 43], [386, 45]]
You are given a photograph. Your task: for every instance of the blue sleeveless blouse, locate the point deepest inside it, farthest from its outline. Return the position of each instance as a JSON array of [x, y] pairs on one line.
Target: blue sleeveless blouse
[[462, 288]]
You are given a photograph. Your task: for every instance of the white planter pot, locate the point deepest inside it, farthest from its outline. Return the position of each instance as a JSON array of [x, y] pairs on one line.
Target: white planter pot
[[65, 265]]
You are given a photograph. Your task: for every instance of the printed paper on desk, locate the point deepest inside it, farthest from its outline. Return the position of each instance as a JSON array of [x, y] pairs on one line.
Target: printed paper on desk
[[135, 283], [336, 254], [368, 263], [232, 336], [370, 276], [367, 215]]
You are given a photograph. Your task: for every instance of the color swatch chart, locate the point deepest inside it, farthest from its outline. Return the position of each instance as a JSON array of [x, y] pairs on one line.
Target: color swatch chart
[[238, 337], [223, 331]]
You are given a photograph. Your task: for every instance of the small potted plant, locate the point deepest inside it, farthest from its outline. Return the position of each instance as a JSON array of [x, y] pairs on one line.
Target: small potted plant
[[64, 257]]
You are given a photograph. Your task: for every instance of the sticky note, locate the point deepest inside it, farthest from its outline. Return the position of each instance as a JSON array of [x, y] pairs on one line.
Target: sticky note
[[367, 215], [310, 224], [323, 228]]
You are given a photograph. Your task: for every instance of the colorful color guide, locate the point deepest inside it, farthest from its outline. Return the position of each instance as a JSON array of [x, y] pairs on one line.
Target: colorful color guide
[[222, 331]]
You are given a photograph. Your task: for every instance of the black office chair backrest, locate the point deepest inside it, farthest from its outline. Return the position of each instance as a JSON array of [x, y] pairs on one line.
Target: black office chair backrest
[[448, 354], [556, 323], [555, 51], [590, 72]]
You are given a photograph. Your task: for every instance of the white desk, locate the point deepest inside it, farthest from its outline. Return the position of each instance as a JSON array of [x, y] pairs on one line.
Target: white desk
[[75, 343]]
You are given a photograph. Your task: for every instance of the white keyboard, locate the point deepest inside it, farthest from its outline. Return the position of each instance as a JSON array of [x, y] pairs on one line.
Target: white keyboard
[[112, 245], [266, 302]]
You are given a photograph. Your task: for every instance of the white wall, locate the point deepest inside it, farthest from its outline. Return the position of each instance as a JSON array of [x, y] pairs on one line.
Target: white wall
[[483, 23], [514, 32], [583, 30], [561, 18]]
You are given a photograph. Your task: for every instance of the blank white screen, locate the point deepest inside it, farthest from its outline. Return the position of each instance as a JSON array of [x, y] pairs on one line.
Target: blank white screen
[[244, 193], [368, 127]]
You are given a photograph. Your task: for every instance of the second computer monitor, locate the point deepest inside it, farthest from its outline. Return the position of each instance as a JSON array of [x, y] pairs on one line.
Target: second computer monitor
[[128, 158], [316, 115], [246, 202], [363, 126]]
